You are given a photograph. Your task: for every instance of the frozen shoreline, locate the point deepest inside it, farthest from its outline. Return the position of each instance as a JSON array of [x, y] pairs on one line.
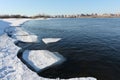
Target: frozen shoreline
[[21, 35], [16, 70]]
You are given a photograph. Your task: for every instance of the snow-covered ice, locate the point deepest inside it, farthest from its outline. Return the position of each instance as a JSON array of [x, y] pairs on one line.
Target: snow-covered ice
[[40, 59], [15, 22], [22, 35], [10, 65], [3, 26], [17, 32], [50, 40], [11, 68]]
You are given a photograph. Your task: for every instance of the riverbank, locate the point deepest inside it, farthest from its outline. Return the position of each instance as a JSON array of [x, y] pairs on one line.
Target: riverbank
[[15, 69]]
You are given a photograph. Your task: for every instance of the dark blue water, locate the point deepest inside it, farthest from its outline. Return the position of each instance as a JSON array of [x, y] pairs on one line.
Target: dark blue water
[[91, 46]]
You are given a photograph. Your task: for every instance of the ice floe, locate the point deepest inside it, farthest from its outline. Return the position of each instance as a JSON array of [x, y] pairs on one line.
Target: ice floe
[[40, 59], [50, 40]]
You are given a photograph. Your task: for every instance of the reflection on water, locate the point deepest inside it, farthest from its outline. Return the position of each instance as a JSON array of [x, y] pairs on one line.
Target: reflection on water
[[91, 46]]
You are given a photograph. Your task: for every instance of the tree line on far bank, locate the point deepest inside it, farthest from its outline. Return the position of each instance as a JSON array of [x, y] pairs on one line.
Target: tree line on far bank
[[13, 16], [61, 16]]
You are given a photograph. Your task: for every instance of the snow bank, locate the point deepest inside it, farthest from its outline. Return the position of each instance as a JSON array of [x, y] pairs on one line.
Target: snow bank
[[40, 59], [50, 40], [10, 66]]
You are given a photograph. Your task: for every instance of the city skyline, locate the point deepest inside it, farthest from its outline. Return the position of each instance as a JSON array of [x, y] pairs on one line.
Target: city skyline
[[56, 7]]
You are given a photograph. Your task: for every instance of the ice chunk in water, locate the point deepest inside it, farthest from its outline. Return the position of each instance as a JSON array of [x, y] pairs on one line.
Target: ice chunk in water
[[40, 59], [50, 40]]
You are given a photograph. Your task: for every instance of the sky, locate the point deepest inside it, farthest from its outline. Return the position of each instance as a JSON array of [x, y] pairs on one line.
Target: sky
[[54, 7]]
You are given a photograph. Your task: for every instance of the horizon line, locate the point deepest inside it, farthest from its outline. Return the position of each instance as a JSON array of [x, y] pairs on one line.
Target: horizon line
[[58, 14]]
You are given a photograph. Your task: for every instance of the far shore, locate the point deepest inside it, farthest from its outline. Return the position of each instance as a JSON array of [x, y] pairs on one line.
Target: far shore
[[66, 17], [45, 16]]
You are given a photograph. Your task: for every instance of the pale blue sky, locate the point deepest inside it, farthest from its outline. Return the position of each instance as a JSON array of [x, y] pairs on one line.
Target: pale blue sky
[[32, 7]]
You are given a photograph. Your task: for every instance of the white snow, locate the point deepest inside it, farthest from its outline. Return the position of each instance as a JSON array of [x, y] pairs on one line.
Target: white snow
[[50, 40], [3, 26], [40, 59], [11, 68], [23, 36], [83, 78], [16, 22], [17, 32]]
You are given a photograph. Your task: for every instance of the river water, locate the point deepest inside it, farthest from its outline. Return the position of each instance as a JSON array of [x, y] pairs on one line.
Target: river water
[[91, 46]]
